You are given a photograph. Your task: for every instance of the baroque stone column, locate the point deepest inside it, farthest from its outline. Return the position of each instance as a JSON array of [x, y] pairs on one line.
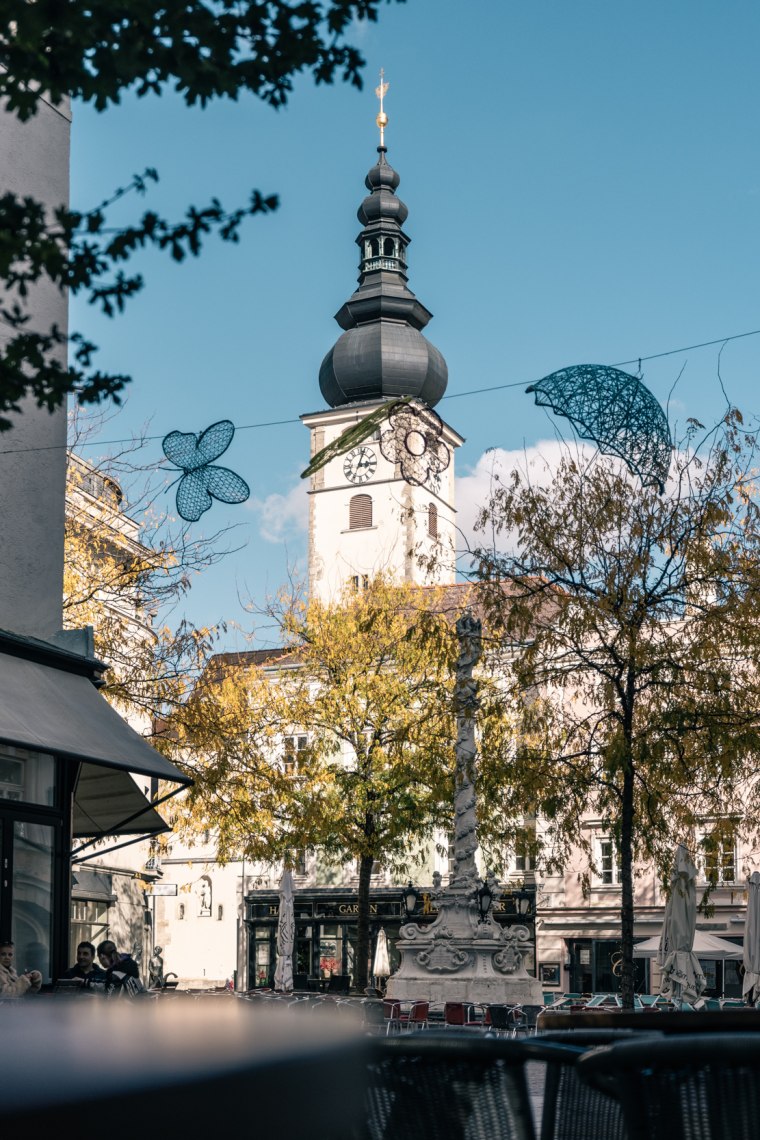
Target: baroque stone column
[[459, 956]]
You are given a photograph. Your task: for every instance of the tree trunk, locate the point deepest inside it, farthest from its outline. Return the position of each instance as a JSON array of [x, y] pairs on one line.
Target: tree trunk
[[627, 979], [361, 961]]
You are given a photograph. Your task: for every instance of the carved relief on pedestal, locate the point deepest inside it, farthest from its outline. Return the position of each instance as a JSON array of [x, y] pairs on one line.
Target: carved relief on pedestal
[[443, 958], [509, 960]]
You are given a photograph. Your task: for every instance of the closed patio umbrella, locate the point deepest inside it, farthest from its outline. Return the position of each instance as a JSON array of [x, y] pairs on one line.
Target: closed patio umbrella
[[286, 929], [682, 977], [381, 966], [752, 938]]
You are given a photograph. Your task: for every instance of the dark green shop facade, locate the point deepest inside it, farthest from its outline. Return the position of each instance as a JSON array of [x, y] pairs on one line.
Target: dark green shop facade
[[326, 928]]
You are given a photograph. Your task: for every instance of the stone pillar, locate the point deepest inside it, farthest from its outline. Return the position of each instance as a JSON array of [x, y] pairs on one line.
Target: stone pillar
[[459, 956]]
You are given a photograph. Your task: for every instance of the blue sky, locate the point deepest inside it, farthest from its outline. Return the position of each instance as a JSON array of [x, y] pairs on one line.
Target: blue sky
[[583, 184]]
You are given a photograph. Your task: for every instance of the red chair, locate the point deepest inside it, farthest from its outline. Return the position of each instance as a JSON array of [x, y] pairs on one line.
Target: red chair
[[479, 1019], [455, 1015], [418, 1015]]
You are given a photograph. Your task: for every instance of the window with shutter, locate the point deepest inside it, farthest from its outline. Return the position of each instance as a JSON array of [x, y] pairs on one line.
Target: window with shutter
[[433, 520], [360, 512]]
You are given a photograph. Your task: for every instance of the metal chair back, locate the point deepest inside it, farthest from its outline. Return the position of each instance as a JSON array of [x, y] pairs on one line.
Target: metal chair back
[[682, 1087], [448, 1086]]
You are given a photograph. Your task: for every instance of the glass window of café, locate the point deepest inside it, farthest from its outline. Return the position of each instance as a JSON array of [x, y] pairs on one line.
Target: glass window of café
[[31, 829]]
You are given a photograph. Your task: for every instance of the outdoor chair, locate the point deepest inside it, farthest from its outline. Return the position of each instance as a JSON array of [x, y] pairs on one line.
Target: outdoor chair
[[450, 1086], [418, 1015], [500, 1021], [374, 1017], [572, 1109], [392, 1014], [531, 1013], [478, 1018], [457, 1014], [690, 1087], [518, 1022]]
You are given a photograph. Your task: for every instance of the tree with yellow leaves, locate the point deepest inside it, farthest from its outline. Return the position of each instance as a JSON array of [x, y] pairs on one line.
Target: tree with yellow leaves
[[369, 681]]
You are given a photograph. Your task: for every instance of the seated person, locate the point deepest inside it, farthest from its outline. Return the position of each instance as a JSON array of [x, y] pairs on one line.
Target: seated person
[[85, 970], [118, 967], [13, 985]]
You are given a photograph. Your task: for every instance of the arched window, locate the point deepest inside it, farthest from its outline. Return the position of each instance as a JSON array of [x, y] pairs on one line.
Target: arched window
[[433, 520], [374, 246], [389, 247], [360, 512]]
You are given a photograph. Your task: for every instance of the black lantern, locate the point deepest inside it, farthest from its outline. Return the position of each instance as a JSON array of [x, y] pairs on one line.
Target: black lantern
[[484, 896], [524, 901], [410, 896]]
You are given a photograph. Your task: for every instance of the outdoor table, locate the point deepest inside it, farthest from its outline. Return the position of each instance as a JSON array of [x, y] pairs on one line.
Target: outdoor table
[[744, 1020], [177, 1069]]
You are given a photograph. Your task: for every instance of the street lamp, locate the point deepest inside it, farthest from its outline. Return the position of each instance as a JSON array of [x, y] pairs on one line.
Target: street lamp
[[410, 896], [484, 895], [524, 901]]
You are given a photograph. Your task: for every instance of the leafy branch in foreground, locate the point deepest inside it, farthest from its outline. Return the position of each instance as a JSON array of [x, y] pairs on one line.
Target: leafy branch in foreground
[[50, 52], [80, 253], [95, 52]]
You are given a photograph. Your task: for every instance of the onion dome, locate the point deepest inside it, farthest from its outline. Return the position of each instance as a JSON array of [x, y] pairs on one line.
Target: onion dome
[[382, 354]]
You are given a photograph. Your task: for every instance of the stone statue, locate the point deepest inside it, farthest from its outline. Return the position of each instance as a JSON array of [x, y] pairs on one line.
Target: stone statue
[[156, 969], [204, 897]]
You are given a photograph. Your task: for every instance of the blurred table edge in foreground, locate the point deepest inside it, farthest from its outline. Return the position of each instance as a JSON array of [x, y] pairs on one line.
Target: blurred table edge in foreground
[[79, 1068]]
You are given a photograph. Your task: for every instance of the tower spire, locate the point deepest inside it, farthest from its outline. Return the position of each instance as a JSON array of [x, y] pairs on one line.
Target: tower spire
[[382, 118], [382, 352]]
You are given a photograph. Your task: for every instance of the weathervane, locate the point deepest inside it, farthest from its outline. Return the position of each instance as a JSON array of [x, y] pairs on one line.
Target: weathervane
[[382, 118]]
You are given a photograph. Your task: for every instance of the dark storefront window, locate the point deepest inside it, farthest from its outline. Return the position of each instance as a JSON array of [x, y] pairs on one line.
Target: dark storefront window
[[595, 967]]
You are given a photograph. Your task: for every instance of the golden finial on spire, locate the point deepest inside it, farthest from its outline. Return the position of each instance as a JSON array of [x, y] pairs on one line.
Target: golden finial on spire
[[382, 118]]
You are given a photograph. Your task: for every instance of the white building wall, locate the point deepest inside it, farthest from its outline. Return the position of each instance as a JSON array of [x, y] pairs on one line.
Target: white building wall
[[199, 926], [397, 543]]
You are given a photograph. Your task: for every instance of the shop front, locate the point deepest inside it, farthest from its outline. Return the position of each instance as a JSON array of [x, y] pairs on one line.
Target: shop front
[[595, 967], [326, 920], [66, 759]]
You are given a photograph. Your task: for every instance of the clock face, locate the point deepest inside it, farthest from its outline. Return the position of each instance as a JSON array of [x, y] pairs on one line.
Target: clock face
[[359, 465]]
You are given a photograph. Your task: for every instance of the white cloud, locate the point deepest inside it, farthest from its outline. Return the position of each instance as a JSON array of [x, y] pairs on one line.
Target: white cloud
[[473, 490], [283, 517]]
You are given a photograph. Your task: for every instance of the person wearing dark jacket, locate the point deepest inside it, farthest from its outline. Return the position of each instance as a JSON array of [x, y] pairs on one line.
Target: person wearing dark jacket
[[119, 968], [85, 971]]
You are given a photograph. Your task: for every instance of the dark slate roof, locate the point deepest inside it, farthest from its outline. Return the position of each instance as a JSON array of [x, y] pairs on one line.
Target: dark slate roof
[[382, 353]]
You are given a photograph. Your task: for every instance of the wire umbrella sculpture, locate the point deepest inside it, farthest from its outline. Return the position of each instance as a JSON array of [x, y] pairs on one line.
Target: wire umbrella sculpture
[[202, 481], [615, 411]]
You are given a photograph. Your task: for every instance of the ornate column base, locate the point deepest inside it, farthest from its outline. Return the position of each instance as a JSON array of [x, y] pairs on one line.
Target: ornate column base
[[459, 958]]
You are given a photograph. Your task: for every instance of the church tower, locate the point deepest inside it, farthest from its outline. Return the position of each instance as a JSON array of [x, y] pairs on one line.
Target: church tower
[[388, 504]]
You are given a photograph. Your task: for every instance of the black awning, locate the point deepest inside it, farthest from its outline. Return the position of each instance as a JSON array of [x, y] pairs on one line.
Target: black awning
[[107, 801], [51, 710]]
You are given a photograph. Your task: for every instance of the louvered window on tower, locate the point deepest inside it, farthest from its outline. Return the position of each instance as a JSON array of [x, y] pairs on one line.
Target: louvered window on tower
[[433, 520], [360, 512]]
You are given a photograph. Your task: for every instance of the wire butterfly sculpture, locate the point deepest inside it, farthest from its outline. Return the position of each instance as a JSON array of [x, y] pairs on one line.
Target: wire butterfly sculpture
[[201, 480]]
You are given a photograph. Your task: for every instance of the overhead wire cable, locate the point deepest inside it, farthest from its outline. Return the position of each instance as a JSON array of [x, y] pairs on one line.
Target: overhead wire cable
[[723, 340]]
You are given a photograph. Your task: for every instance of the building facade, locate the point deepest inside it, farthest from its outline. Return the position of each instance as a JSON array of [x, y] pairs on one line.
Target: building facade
[[367, 516]]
